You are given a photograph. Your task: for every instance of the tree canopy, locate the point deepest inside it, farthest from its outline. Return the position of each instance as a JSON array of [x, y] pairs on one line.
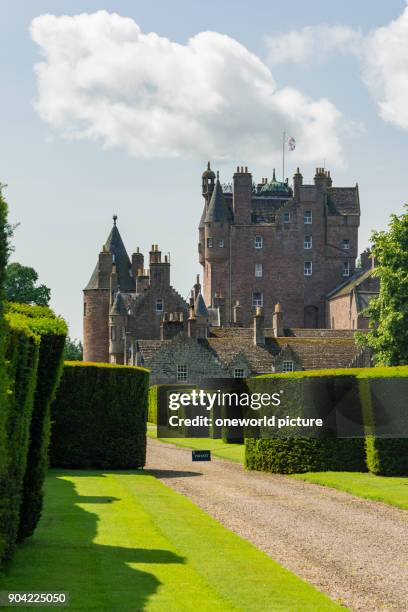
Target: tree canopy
[[388, 335], [21, 286], [73, 350]]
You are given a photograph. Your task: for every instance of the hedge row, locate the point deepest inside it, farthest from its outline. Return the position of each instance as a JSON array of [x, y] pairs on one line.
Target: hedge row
[[34, 342], [99, 417], [366, 405]]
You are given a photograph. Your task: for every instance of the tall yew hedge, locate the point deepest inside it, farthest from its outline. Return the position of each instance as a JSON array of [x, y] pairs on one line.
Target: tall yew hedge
[[99, 417], [373, 400]]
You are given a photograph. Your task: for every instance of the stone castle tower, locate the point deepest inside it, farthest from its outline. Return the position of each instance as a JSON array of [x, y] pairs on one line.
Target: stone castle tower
[[267, 243], [123, 300]]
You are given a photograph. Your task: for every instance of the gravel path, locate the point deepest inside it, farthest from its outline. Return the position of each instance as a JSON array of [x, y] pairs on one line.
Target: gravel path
[[353, 549]]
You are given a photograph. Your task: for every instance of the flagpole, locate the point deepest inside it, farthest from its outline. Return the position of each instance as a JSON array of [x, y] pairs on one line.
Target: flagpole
[[283, 156]]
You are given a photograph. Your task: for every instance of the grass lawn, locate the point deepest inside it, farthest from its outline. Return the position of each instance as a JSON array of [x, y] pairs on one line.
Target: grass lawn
[[233, 452], [125, 541], [388, 489]]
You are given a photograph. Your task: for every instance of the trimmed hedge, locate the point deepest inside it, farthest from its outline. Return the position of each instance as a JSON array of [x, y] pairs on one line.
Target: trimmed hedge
[[53, 331], [22, 350], [31, 333], [373, 397], [99, 417], [152, 404], [3, 375]]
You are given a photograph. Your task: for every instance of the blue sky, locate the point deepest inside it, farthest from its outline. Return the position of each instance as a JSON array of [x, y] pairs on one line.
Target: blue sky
[[64, 191]]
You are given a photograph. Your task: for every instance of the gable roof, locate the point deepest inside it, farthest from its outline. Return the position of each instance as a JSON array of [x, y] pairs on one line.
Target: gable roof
[[343, 200], [353, 282]]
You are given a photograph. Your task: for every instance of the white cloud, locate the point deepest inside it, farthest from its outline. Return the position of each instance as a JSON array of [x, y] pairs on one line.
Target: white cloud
[[313, 44], [102, 78], [386, 70]]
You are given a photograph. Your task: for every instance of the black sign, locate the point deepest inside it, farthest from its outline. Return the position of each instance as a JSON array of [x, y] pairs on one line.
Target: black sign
[[201, 455]]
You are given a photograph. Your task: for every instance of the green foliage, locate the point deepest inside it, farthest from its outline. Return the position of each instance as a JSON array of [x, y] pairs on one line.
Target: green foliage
[[152, 405], [21, 286], [388, 312], [297, 455], [38, 322], [22, 359], [73, 350], [378, 392], [99, 417], [3, 378]]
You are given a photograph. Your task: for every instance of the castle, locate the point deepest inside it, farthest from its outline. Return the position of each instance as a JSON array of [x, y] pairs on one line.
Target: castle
[[278, 269], [264, 243]]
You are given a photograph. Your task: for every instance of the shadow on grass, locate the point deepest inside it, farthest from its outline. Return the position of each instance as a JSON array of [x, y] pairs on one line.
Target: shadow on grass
[[62, 555], [172, 473]]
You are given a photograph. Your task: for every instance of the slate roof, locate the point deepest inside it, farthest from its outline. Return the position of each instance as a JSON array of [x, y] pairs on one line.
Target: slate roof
[[218, 209], [118, 306], [343, 200], [114, 245], [200, 309], [356, 279], [313, 352]]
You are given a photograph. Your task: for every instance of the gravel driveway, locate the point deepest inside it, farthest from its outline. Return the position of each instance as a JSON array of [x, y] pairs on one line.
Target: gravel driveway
[[353, 549]]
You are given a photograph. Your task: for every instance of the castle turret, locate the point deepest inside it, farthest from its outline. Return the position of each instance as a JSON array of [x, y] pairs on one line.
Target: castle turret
[[217, 239], [117, 329], [208, 184], [97, 295]]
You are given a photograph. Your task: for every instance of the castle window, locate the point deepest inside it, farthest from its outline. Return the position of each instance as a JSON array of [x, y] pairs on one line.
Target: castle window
[[209, 243], [286, 217], [346, 268], [288, 366], [308, 268], [258, 270], [307, 243], [84, 309], [182, 373], [308, 217], [221, 244], [257, 298], [113, 333], [258, 242], [346, 244], [239, 373], [159, 305]]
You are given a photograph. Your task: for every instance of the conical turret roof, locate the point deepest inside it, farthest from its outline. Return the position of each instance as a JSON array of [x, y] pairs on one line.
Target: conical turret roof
[[218, 209], [118, 306], [200, 309], [114, 244]]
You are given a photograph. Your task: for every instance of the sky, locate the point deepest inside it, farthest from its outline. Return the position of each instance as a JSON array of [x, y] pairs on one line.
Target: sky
[[116, 107]]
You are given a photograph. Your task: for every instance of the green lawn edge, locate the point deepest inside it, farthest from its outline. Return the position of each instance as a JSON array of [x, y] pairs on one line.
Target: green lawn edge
[[391, 490], [126, 541], [218, 448]]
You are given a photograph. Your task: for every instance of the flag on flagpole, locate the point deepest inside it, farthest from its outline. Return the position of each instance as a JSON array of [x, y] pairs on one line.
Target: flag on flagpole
[[291, 144]]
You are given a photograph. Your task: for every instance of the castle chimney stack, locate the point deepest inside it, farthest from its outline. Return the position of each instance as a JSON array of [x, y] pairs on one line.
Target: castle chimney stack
[[277, 321], [259, 330]]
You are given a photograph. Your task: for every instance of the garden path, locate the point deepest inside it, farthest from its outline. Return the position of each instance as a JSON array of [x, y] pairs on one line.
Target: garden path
[[353, 549]]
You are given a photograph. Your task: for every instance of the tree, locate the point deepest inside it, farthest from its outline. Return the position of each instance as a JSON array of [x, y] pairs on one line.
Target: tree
[[73, 350], [21, 286], [388, 335]]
